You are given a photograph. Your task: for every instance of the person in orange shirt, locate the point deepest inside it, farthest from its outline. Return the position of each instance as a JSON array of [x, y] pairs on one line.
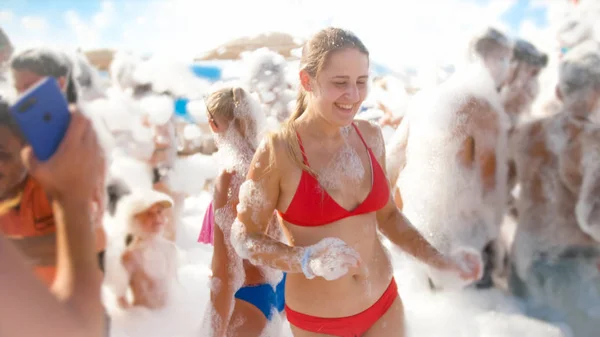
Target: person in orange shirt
[[28, 222], [73, 307], [29, 67]]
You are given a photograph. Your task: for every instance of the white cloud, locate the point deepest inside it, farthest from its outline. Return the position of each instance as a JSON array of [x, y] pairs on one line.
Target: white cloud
[[86, 36], [105, 16], [403, 32], [415, 33], [141, 20], [6, 17], [398, 33], [90, 34], [543, 38], [534, 4], [34, 23]]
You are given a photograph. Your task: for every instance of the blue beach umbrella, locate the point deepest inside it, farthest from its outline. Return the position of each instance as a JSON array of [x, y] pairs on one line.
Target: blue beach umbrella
[[209, 72]]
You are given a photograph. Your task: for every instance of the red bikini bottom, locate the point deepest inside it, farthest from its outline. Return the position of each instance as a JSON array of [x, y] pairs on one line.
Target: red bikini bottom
[[351, 326]]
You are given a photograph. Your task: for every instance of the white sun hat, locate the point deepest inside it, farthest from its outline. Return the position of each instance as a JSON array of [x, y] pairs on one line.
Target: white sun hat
[[141, 200]]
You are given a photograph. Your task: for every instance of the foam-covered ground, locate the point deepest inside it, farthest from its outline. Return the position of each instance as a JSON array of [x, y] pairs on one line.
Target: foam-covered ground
[[466, 313]]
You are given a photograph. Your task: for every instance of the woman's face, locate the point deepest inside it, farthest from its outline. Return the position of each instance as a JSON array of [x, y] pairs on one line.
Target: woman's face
[[340, 88]]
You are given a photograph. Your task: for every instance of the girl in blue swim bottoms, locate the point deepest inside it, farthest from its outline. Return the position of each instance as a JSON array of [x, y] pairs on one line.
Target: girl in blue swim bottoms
[[244, 298]]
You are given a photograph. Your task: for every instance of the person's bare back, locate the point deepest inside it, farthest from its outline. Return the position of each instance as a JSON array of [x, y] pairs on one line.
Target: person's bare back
[[454, 166], [548, 160]]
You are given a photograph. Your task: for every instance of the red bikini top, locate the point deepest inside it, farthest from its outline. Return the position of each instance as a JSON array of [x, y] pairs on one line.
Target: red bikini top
[[313, 206]]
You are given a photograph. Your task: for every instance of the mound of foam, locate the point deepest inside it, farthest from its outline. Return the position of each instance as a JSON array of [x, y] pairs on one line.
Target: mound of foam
[[134, 172], [169, 76], [158, 108], [468, 312], [190, 174], [122, 69], [89, 83], [447, 314], [442, 199], [197, 109], [265, 70]]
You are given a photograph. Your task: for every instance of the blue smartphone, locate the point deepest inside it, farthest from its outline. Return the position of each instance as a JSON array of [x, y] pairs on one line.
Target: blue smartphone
[[43, 116]]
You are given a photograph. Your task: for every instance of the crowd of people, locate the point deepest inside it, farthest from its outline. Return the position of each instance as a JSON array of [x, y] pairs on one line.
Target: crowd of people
[[309, 193]]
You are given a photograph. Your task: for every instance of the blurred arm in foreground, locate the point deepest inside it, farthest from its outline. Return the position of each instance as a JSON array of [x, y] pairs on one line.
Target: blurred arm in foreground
[[29, 309]]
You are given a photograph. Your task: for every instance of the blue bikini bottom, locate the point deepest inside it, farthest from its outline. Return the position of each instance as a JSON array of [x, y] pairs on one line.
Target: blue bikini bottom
[[264, 297]]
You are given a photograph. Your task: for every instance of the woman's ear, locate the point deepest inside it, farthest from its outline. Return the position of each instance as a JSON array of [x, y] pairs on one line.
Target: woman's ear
[[213, 125], [305, 80]]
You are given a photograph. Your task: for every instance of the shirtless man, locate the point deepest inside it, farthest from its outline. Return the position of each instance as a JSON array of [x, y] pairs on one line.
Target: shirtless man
[[31, 66], [557, 244], [149, 260], [521, 90], [27, 219], [447, 159]]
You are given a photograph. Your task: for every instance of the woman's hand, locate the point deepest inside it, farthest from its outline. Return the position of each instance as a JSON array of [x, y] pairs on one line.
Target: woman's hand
[[330, 258], [467, 264]]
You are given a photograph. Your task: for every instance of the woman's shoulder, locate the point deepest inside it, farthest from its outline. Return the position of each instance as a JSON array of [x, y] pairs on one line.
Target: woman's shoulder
[[272, 151], [367, 129], [373, 137], [277, 141]]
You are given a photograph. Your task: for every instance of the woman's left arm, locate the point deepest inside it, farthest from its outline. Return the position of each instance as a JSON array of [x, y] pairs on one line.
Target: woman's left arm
[[394, 225]]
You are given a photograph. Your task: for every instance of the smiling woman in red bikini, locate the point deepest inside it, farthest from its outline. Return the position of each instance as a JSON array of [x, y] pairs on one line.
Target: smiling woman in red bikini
[[323, 172]]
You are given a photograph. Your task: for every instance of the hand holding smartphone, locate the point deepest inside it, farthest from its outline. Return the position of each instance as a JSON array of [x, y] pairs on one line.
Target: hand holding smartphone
[[43, 116]]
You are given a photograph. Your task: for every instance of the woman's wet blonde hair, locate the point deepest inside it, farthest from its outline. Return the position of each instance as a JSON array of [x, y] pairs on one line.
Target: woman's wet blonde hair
[[231, 104], [315, 55]]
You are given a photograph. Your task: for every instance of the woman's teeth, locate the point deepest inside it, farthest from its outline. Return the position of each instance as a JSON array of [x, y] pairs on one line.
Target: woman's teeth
[[344, 106]]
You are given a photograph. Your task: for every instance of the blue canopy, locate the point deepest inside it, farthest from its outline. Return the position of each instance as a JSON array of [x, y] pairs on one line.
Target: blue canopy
[[212, 73]]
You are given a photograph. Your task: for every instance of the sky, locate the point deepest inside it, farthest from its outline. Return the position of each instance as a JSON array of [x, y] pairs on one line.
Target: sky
[[397, 32]]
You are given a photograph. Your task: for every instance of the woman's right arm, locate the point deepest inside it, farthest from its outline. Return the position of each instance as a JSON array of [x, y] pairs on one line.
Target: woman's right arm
[[258, 198], [330, 258], [227, 268]]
